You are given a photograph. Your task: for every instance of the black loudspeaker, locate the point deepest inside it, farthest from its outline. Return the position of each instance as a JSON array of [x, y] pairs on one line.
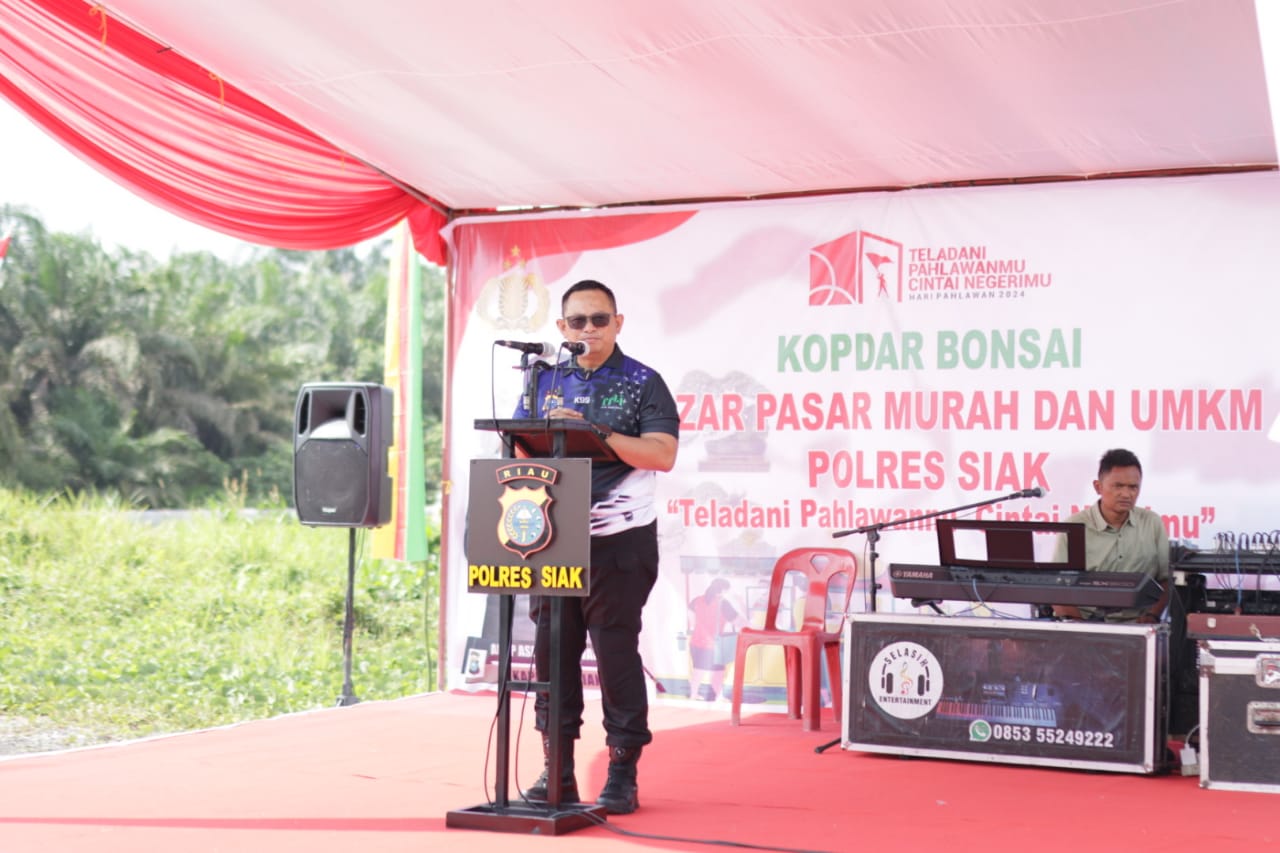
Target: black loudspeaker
[[341, 434]]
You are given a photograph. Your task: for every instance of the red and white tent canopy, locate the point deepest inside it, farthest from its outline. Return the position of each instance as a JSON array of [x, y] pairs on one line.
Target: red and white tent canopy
[[465, 107]]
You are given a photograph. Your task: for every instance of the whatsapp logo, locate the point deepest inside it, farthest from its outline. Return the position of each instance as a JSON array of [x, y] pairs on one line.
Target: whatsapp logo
[[980, 731]]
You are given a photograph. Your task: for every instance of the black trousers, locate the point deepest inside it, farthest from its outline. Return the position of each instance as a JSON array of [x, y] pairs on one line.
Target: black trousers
[[624, 568]]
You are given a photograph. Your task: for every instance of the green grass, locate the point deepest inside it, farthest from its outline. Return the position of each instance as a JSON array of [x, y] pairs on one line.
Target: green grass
[[116, 627]]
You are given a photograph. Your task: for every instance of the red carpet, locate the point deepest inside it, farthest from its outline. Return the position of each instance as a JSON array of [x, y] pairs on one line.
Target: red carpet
[[380, 776]]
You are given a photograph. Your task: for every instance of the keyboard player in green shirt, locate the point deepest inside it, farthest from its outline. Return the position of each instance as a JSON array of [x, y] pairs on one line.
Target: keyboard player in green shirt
[[1120, 537]]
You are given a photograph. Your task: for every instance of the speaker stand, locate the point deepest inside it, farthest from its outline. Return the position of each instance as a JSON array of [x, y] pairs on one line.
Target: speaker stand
[[349, 696]]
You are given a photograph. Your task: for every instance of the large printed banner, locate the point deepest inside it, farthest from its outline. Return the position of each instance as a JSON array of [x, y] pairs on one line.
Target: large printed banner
[[1011, 691], [856, 360]]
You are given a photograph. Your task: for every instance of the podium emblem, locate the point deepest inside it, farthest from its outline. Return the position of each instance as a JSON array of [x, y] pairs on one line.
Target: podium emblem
[[524, 526]]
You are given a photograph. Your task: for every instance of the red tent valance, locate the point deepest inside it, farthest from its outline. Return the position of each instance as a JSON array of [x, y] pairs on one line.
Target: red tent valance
[[188, 141]]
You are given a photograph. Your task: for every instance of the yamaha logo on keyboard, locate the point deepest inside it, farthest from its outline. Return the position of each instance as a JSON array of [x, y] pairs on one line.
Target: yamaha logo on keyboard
[[905, 680], [924, 574]]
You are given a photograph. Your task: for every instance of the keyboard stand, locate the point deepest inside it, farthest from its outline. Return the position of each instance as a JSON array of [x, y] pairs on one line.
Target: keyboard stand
[[929, 602]]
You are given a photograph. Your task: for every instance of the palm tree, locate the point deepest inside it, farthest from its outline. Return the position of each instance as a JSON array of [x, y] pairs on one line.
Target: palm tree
[[163, 381]]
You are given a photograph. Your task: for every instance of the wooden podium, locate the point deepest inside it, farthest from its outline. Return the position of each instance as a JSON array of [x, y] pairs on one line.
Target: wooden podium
[[528, 533]]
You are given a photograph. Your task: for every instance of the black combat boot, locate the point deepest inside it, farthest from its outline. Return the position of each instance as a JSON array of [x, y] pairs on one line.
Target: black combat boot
[[621, 795], [568, 783]]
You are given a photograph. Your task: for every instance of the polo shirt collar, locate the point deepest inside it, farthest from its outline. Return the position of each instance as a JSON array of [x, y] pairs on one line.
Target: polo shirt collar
[[1098, 522], [613, 362]]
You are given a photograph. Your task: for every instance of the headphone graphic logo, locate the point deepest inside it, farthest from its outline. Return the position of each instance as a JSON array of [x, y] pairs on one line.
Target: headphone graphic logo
[[905, 680], [905, 687]]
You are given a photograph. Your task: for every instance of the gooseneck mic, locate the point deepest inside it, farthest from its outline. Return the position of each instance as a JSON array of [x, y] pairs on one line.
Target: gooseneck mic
[[531, 347], [542, 347], [1037, 492]]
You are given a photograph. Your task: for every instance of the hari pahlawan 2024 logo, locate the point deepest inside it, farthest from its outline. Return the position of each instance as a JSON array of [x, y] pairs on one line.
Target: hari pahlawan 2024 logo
[[860, 267], [840, 270], [525, 524]]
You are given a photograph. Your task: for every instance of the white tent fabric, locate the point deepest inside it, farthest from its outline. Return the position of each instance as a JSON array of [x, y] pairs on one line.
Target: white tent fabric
[[581, 103]]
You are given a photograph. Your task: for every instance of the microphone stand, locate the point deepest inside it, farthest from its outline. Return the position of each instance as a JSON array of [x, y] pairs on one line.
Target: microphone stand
[[873, 536], [528, 397], [530, 384]]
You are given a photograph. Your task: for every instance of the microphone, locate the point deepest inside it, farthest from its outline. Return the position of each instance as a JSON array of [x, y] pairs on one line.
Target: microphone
[[542, 347], [530, 347], [1037, 492]]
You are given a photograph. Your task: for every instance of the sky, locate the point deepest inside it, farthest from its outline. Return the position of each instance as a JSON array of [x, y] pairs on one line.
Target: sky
[[67, 194]]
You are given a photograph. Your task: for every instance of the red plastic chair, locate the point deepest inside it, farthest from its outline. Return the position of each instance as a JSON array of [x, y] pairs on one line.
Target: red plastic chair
[[806, 647]]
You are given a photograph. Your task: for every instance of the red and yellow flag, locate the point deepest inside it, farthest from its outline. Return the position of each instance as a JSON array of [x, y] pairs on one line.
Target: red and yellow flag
[[405, 537]]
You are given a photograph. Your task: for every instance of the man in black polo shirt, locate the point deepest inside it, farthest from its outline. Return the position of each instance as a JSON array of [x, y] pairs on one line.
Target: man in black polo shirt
[[632, 409]]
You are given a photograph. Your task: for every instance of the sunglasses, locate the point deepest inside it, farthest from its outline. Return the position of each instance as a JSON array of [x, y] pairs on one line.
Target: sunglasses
[[578, 322]]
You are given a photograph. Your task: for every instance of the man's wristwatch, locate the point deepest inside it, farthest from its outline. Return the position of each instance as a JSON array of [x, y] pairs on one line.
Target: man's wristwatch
[[602, 430]]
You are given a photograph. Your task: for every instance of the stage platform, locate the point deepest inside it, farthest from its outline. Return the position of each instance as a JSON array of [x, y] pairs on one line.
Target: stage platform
[[380, 776]]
